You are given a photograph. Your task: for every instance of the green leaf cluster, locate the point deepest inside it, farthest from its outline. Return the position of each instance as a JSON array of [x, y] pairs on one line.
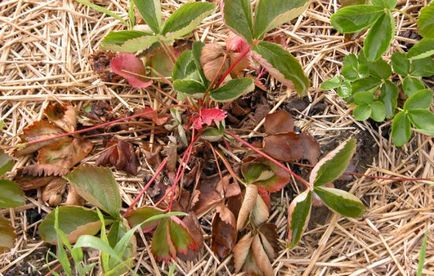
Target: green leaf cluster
[[328, 169]]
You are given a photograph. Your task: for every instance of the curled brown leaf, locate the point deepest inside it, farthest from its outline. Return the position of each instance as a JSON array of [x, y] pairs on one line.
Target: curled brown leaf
[[249, 202], [261, 257], [121, 155], [213, 61], [241, 251], [62, 115], [53, 192]]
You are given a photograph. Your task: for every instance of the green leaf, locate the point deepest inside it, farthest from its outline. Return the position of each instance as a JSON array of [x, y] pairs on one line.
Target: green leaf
[[132, 45], [379, 68], [10, 194], [238, 17], [271, 14], [423, 120], [419, 100], [184, 66], [197, 51], [425, 22], [190, 87], [423, 67], [333, 165], [330, 84], [389, 96], [365, 84], [422, 254], [411, 85], [378, 113], [232, 90], [355, 18], [98, 186], [298, 216], [379, 37], [180, 236], [150, 10], [6, 163], [400, 64], [401, 130], [102, 10], [281, 65], [341, 202], [98, 244], [388, 4], [162, 246], [350, 69], [422, 49], [120, 37], [7, 235], [345, 90], [186, 18], [142, 214], [362, 112], [363, 97], [213, 134], [74, 221]]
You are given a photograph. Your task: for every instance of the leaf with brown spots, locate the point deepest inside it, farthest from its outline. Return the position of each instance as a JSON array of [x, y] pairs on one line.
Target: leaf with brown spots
[[62, 115], [278, 122], [121, 155]]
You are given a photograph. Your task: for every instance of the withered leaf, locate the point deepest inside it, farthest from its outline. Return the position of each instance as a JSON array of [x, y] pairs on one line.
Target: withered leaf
[[37, 131], [62, 115], [224, 233], [44, 170], [269, 238], [261, 257], [249, 202], [52, 193], [192, 224], [260, 212], [278, 122], [213, 61], [241, 251], [208, 196], [121, 155], [26, 182], [73, 198], [291, 147]]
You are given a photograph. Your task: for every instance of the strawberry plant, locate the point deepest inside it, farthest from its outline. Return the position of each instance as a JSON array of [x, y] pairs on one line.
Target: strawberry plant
[[373, 85]]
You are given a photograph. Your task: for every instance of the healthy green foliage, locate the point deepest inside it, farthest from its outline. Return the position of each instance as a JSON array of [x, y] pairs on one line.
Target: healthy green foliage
[[10, 194], [6, 163], [232, 90], [150, 10], [341, 202], [355, 18], [238, 17], [7, 235], [422, 254], [379, 37], [298, 216], [425, 22]]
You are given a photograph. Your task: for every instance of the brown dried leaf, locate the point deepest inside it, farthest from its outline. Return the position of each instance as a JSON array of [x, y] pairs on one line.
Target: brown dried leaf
[[62, 115], [269, 238], [100, 64], [121, 155], [37, 131], [228, 188], [249, 202], [241, 251], [44, 170], [224, 233], [27, 183], [192, 224], [225, 214], [291, 147], [52, 193], [208, 196], [278, 122], [73, 197], [213, 61], [261, 257], [260, 212]]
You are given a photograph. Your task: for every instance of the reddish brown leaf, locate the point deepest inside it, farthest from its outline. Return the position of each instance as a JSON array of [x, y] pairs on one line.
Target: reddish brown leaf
[[44, 170], [53, 192], [121, 155], [241, 251], [261, 257], [208, 116], [224, 233], [62, 115], [153, 116], [291, 147], [100, 63], [208, 196], [131, 68], [249, 202], [192, 224], [235, 43], [213, 61], [278, 122], [269, 238], [265, 195], [227, 187], [37, 131], [225, 214], [27, 183]]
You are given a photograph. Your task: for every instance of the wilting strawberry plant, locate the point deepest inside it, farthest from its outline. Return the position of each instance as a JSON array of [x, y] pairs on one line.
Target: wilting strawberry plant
[[201, 164], [380, 89]]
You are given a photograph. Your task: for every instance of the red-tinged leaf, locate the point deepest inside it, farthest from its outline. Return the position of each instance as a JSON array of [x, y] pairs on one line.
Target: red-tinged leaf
[[39, 130], [224, 233], [62, 115], [180, 236], [241, 251], [291, 147], [298, 216], [192, 224], [207, 116], [265, 195], [235, 43], [131, 68], [162, 246], [121, 155], [261, 257], [260, 212], [249, 202], [53, 192], [278, 122], [73, 221], [269, 239], [264, 173], [334, 164], [7, 235], [141, 214], [65, 154], [159, 120]]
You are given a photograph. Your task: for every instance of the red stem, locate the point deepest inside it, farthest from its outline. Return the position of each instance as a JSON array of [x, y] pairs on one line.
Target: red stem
[[277, 163], [87, 129], [142, 192], [243, 53]]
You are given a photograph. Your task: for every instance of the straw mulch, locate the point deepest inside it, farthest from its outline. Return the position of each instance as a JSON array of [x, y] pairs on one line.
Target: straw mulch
[[44, 50]]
